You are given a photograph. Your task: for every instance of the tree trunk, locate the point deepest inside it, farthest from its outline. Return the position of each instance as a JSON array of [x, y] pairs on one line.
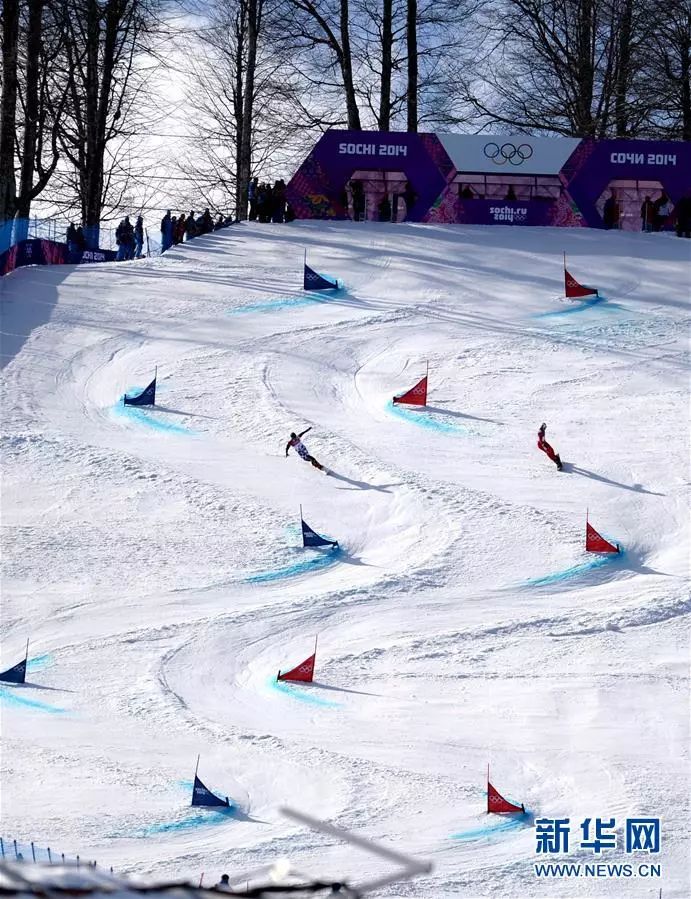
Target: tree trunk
[[347, 70], [31, 109], [245, 164], [411, 41], [238, 106], [386, 54], [623, 72], [8, 108], [686, 84], [585, 63]]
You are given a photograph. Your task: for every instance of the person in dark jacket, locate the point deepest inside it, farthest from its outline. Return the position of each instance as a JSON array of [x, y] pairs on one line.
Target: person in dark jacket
[[409, 196], [80, 239], [683, 226], [385, 209], [190, 226], [610, 212], [180, 229], [647, 214], [166, 232], [207, 222], [139, 237], [252, 190], [359, 200], [279, 201], [71, 239], [124, 236]]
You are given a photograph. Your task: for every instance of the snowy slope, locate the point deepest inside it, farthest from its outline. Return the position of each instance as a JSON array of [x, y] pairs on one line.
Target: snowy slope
[[153, 557]]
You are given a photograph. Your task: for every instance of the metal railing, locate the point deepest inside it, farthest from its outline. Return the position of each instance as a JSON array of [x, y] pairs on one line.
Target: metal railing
[[17, 851]]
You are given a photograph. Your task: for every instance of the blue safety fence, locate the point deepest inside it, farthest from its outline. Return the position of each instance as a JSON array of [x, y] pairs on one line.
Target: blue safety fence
[[15, 230], [18, 851]]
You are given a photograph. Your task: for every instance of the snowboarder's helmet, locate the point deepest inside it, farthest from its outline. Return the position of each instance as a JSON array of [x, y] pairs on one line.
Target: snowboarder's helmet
[[293, 435]]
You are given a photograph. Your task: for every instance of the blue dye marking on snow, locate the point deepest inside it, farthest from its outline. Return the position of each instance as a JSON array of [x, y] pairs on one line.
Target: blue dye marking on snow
[[573, 571], [39, 662], [14, 698], [275, 305], [147, 415], [210, 817], [303, 694], [491, 830], [426, 419], [315, 296], [602, 304], [305, 566]]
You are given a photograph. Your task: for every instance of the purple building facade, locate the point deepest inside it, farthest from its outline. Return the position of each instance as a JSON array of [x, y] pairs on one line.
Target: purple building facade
[[484, 179]]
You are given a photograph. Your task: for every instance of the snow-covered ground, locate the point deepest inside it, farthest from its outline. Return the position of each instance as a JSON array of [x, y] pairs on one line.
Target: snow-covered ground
[[153, 556]]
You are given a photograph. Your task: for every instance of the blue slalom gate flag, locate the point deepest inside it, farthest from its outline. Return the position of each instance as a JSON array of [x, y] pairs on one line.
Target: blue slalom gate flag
[[314, 281], [16, 674], [312, 538], [204, 797], [146, 398]]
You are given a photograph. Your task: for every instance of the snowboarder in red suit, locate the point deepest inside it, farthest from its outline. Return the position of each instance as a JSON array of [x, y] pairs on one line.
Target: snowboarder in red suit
[[546, 448]]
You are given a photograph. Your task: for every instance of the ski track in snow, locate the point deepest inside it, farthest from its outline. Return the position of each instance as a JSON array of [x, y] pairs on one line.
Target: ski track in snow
[[151, 554]]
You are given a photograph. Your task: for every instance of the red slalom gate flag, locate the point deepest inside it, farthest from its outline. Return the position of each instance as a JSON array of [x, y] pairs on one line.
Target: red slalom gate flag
[[596, 543], [497, 804], [303, 672], [572, 288], [416, 396]]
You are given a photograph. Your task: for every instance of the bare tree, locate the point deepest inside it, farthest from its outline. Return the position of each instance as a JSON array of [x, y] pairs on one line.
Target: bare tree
[[8, 107], [670, 68], [411, 43], [241, 93], [42, 99], [104, 43], [317, 35]]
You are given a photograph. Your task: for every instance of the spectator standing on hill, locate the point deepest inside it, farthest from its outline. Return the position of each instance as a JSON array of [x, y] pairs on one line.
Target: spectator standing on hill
[[166, 232], [80, 239], [124, 236], [138, 237], [409, 196], [224, 883], [647, 214], [180, 229], [663, 208], [610, 211], [279, 201], [359, 201], [71, 238], [683, 227], [252, 189], [190, 226], [207, 222]]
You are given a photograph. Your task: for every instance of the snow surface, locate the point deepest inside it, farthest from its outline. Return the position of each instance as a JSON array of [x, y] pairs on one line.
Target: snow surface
[[153, 556]]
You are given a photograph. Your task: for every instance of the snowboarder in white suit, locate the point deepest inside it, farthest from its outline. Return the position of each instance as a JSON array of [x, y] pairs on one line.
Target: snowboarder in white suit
[[296, 443]]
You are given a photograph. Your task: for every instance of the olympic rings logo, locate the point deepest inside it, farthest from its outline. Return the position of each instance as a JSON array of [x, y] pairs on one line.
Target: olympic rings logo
[[508, 153]]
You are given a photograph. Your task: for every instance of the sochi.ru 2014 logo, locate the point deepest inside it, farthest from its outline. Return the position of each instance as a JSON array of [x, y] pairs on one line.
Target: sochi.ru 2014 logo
[[500, 155]]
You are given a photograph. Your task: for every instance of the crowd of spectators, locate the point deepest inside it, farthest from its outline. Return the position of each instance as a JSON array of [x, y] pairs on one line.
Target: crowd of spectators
[[267, 203], [175, 229]]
